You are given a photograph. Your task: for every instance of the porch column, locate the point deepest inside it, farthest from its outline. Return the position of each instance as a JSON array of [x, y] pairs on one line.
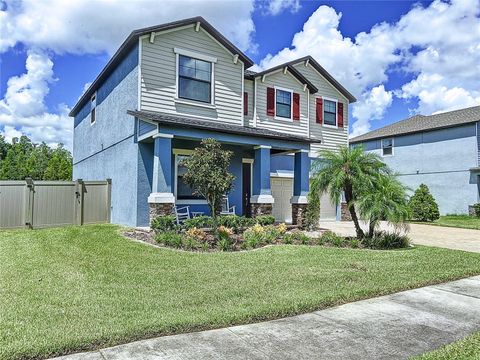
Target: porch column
[[161, 200], [301, 184], [262, 199]]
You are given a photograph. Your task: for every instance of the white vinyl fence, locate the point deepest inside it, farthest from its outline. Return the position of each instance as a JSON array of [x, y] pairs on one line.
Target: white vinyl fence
[[37, 204]]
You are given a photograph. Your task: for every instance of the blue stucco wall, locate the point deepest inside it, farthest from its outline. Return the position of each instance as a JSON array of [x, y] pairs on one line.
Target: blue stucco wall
[[108, 149], [441, 159]]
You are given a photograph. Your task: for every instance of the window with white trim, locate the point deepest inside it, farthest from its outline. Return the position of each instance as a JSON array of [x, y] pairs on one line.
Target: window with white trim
[[387, 147], [183, 190], [93, 111], [283, 103], [329, 112], [194, 79]]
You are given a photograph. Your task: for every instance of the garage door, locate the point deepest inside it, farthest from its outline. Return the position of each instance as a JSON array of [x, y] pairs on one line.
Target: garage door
[[282, 192], [328, 211]]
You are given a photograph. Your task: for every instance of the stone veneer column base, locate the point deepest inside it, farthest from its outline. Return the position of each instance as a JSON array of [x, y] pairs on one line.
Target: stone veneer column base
[[298, 214], [160, 209], [344, 212], [258, 209]]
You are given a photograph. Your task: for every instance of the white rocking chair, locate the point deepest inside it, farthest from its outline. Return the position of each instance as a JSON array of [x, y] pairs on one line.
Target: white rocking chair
[[226, 208], [181, 213]]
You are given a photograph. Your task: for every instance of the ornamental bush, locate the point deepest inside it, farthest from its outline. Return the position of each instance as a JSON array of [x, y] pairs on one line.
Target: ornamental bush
[[423, 205], [476, 208], [164, 223], [265, 220]]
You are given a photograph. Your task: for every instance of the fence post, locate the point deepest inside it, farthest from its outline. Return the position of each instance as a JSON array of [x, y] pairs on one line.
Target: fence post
[[109, 200], [29, 198], [79, 191]]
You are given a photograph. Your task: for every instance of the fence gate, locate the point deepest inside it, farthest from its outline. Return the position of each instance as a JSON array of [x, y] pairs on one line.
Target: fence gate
[[38, 204]]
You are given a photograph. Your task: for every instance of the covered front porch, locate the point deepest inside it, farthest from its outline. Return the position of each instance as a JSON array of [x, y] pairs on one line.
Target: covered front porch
[[252, 151]]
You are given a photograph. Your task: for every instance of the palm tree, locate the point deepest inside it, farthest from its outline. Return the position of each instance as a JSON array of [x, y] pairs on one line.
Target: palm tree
[[347, 171], [386, 200]]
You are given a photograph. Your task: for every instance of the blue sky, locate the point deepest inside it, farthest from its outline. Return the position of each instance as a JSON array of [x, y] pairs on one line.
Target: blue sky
[[404, 61]]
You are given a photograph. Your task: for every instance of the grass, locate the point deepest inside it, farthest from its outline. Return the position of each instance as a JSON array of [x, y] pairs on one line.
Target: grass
[[466, 349], [459, 221], [78, 288]]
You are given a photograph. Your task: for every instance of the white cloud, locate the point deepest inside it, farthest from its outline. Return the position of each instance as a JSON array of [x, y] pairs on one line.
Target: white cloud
[[275, 7], [440, 42], [96, 26], [23, 110], [371, 106]]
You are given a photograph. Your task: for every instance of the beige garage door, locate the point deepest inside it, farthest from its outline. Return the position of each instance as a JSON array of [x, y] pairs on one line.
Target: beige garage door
[[328, 211], [282, 191]]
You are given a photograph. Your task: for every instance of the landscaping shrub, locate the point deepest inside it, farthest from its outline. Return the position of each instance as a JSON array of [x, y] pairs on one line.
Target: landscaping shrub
[[386, 240], [224, 233], [164, 223], [329, 237], [224, 244], [198, 222], [354, 243], [288, 238], [253, 237], [312, 214], [197, 234], [170, 238], [476, 208], [235, 222], [265, 220], [270, 234], [423, 205], [191, 243]]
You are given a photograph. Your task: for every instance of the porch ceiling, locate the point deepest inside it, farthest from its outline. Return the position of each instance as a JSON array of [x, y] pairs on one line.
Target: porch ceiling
[[201, 124]]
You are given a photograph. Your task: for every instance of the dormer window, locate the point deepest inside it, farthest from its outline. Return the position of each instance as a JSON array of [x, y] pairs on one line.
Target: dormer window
[[194, 79]]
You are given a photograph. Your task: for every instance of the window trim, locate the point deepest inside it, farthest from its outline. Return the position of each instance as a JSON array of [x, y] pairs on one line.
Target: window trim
[[392, 147], [93, 108], [275, 104], [197, 56], [336, 113], [176, 153]]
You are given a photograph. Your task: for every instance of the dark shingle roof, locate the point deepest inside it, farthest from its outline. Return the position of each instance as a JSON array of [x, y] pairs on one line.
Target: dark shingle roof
[[132, 40], [419, 123], [216, 126], [316, 66]]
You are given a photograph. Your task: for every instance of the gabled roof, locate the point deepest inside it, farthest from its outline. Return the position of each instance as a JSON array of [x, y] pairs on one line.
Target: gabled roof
[[420, 123], [251, 74], [296, 74], [132, 40], [198, 123]]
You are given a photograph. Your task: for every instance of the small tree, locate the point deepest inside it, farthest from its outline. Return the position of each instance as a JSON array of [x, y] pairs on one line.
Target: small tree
[[207, 173], [423, 205], [385, 200], [312, 215]]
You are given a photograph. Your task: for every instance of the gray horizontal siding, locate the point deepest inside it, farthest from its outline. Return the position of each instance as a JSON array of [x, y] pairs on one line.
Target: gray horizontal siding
[[158, 76], [331, 137], [269, 122], [249, 89]]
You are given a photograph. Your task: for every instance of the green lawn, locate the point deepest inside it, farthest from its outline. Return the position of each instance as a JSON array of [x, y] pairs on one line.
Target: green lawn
[[466, 349], [460, 221], [77, 288]]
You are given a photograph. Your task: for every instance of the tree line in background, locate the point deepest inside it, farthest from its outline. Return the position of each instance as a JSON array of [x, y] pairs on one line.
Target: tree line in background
[[22, 158]]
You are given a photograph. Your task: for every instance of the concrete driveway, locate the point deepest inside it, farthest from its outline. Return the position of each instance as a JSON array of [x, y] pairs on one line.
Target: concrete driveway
[[430, 235], [396, 326]]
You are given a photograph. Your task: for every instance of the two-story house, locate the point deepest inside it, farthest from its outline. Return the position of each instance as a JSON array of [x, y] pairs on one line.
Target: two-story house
[[441, 151], [170, 86]]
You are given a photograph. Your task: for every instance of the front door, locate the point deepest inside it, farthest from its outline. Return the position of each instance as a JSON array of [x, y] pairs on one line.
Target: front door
[[246, 187]]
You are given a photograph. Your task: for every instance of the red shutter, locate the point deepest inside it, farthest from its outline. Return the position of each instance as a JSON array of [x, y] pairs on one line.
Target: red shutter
[[245, 103], [319, 111], [296, 106], [270, 101], [340, 114]]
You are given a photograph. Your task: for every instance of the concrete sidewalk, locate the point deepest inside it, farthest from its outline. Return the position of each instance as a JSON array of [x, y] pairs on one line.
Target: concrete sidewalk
[[390, 327], [430, 235]]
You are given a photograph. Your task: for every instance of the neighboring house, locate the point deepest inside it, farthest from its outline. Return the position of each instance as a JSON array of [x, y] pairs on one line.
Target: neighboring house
[[441, 151], [170, 86]]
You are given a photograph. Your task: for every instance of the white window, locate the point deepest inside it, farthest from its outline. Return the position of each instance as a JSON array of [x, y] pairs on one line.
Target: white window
[[194, 79], [387, 147], [283, 103], [93, 106], [329, 112]]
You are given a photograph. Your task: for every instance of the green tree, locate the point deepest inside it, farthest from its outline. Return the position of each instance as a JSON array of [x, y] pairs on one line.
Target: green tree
[[207, 173], [312, 215], [59, 166], [4, 147], [423, 205], [14, 166], [346, 171], [385, 200]]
